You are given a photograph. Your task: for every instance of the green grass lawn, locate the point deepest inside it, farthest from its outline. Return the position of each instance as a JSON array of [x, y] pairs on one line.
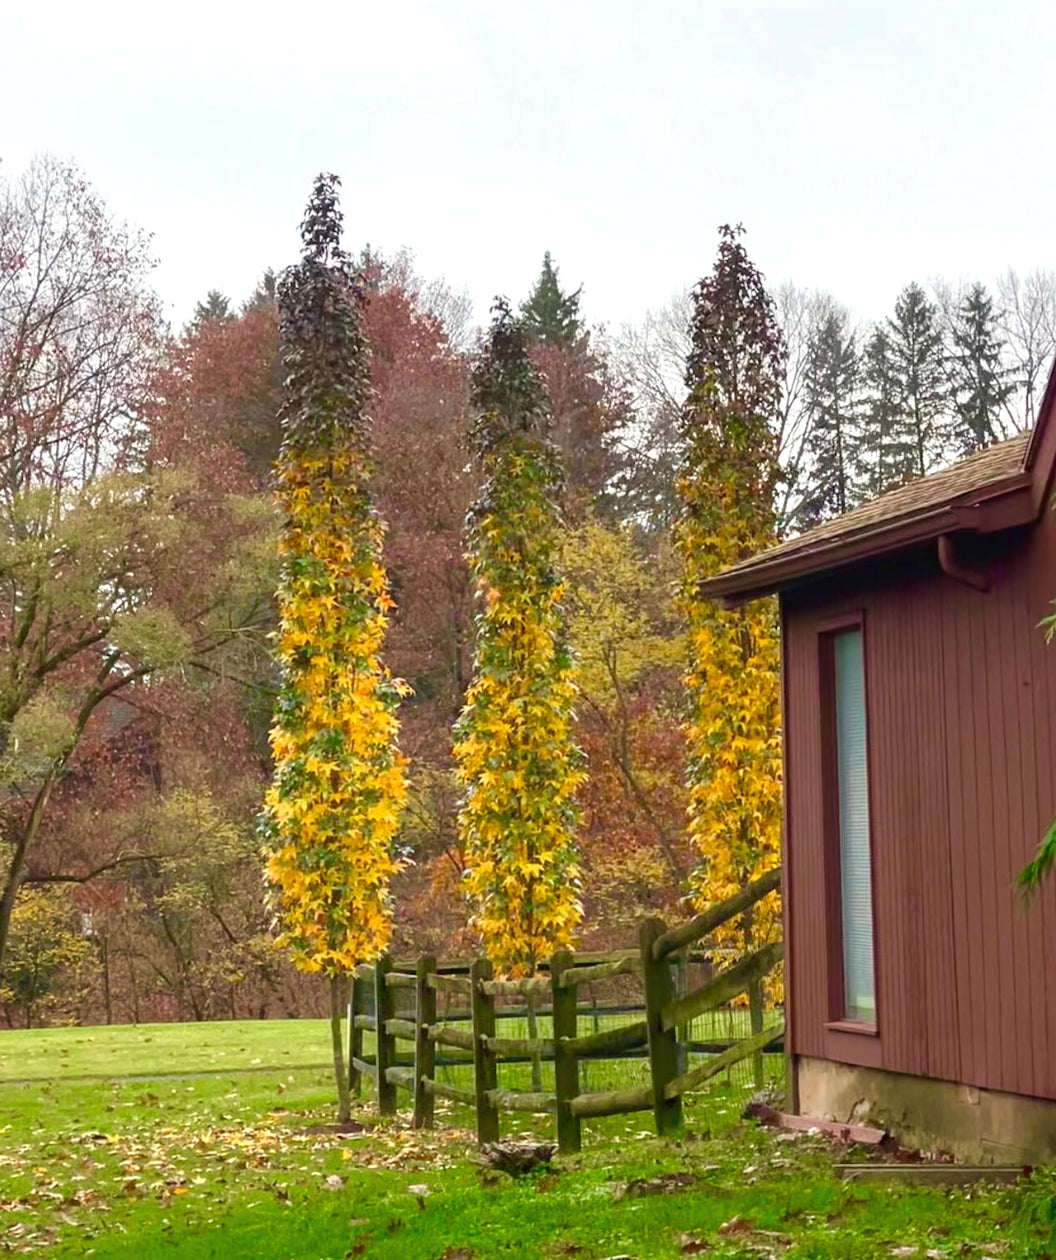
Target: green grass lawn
[[212, 1140]]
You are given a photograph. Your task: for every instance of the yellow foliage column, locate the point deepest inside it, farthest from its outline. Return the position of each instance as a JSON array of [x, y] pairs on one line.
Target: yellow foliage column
[[515, 751], [726, 487], [332, 811]]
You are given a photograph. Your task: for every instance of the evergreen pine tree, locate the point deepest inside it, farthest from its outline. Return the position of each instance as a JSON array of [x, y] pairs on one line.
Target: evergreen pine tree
[[216, 306], [979, 385], [831, 401], [877, 467], [265, 294], [918, 357], [549, 315]]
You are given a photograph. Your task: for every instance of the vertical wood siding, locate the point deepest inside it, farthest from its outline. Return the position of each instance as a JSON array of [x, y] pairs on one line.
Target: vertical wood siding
[[961, 693]]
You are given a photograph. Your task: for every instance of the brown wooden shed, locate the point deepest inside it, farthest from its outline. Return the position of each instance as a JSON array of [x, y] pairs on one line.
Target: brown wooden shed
[[920, 773]]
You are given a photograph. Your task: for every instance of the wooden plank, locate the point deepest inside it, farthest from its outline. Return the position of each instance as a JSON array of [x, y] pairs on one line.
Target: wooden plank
[[658, 978], [809, 992], [521, 1047], [969, 945], [424, 1045], [628, 966], [537, 985], [941, 1040], [791, 1081], [366, 1068], [513, 1100], [1029, 831], [629, 1037], [615, 1103], [401, 1076], [566, 1065], [367, 1022], [723, 988], [450, 984], [451, 1036], [365, 972], [931, 1174], [438, 1089], [1043, 754], [400, 980], [485, 1075], [735, 1053], [675, 938], [863, 1134], [1016, 714], [404, 1028]]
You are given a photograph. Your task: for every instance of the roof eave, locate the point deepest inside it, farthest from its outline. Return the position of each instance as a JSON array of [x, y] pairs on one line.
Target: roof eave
[[988, 509]]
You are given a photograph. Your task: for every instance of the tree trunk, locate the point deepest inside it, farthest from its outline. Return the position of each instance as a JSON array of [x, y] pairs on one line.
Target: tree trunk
[[104, 958], [17, 869], [344, 1100]]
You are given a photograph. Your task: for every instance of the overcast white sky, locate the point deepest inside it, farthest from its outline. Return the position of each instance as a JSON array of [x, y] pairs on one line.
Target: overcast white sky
[[862, 144]]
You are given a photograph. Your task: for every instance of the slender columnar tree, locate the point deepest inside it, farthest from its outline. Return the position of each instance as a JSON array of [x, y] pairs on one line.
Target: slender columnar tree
[[332, 811], [727, 488], [515, 751]]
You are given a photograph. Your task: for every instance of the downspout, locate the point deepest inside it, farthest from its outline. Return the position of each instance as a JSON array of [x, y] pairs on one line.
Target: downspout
[[950, 565]]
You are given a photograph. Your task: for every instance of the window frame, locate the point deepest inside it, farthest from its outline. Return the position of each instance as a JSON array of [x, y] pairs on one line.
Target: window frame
[[839, 1022]]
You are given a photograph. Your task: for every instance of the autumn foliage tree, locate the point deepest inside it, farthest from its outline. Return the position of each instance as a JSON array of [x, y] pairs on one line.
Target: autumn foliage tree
[[514, 749], [99, 528], [332, 811], [629, 651], [727, 489]]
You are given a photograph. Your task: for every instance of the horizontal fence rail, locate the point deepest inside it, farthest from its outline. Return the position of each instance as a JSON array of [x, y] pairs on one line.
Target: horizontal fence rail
[[661, 1037]]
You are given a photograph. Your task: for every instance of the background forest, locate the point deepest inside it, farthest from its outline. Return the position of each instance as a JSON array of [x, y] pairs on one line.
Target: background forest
[[137, 559]]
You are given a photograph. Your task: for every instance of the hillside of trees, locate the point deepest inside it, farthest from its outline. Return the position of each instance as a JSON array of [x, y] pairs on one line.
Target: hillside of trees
[[139, 565]]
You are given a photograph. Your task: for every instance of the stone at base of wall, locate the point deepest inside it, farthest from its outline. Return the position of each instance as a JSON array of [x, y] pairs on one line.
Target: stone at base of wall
[[981, 1126]]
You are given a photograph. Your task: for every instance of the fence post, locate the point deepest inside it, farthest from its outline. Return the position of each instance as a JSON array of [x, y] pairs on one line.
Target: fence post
[[659, 984], [385, 1053], [355, 1036], [566, 1065], [755, 1016], [485, 1069], [424, 1047]]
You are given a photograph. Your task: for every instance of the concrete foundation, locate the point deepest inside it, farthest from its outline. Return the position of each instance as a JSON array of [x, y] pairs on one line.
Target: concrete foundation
[[979, 1126]]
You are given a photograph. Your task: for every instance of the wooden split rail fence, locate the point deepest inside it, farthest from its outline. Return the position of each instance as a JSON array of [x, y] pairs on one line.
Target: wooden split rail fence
[[373, 1008]]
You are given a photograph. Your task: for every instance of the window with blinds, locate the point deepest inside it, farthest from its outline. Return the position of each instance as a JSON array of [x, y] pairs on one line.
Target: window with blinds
[[856, 885]]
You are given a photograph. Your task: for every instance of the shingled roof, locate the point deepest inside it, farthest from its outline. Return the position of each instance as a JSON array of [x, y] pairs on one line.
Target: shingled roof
[[987, 491]]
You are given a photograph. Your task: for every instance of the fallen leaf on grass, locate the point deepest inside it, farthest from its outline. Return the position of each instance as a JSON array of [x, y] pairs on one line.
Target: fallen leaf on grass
[[692, 1246], [669, 1183], [457, 1253], [735, 1225]]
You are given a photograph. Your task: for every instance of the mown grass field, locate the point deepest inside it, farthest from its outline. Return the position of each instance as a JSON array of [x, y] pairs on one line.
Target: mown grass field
[[213, 1140]]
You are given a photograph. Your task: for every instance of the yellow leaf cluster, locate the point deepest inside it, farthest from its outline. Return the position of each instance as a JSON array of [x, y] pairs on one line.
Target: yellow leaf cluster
[[515, 752], [333, 809], [733, 679]]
